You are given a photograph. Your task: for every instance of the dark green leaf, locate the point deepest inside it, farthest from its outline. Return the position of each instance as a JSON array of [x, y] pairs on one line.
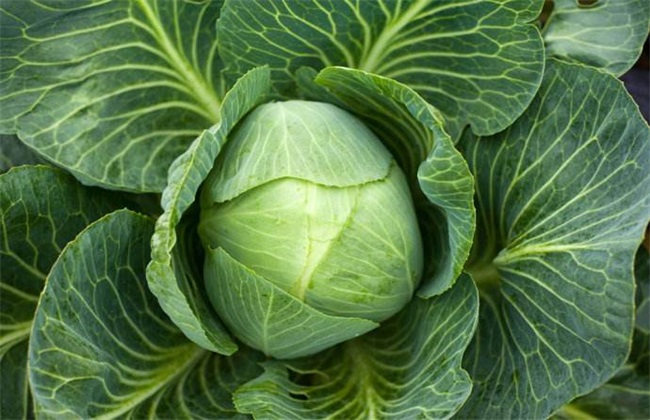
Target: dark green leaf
[[563, 198], [603, 33], [100, 343], [41, 210], [627, 394], [111, 90], [480, 63], [102, 347]]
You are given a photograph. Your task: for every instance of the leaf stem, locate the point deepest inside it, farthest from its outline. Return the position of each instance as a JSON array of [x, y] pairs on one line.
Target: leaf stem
[[485, 275], [363, 373]]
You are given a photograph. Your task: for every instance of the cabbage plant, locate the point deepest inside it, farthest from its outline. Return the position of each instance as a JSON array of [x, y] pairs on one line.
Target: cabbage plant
[[323, 209]]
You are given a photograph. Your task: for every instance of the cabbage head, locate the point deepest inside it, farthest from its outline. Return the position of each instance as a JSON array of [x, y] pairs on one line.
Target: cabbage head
[[306, 200]]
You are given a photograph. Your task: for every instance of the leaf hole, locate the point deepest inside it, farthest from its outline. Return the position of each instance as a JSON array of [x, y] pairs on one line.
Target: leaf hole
[[586, 4], [303, 380], [298, 396]]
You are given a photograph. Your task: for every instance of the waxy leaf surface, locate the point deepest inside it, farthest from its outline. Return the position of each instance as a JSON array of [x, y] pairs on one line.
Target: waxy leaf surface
[[102, 347], [41, 210], [479, 62], [607, 34], [563, 198], [111, 90]]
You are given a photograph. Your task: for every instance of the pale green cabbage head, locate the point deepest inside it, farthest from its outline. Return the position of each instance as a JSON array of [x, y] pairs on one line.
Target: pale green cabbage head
[[307, 197]]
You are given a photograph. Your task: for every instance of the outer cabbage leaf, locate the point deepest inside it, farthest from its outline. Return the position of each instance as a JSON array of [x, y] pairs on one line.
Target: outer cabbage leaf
[[627, 394], [479, 62], [563, 198], [407, 368], [131, 80], [608, 34], [173, 274], [41, 209], [441, 183], [102, 347]]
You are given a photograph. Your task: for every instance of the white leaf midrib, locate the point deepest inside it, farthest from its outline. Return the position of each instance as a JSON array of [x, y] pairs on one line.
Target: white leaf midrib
[[373, 59], [200, 89]]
